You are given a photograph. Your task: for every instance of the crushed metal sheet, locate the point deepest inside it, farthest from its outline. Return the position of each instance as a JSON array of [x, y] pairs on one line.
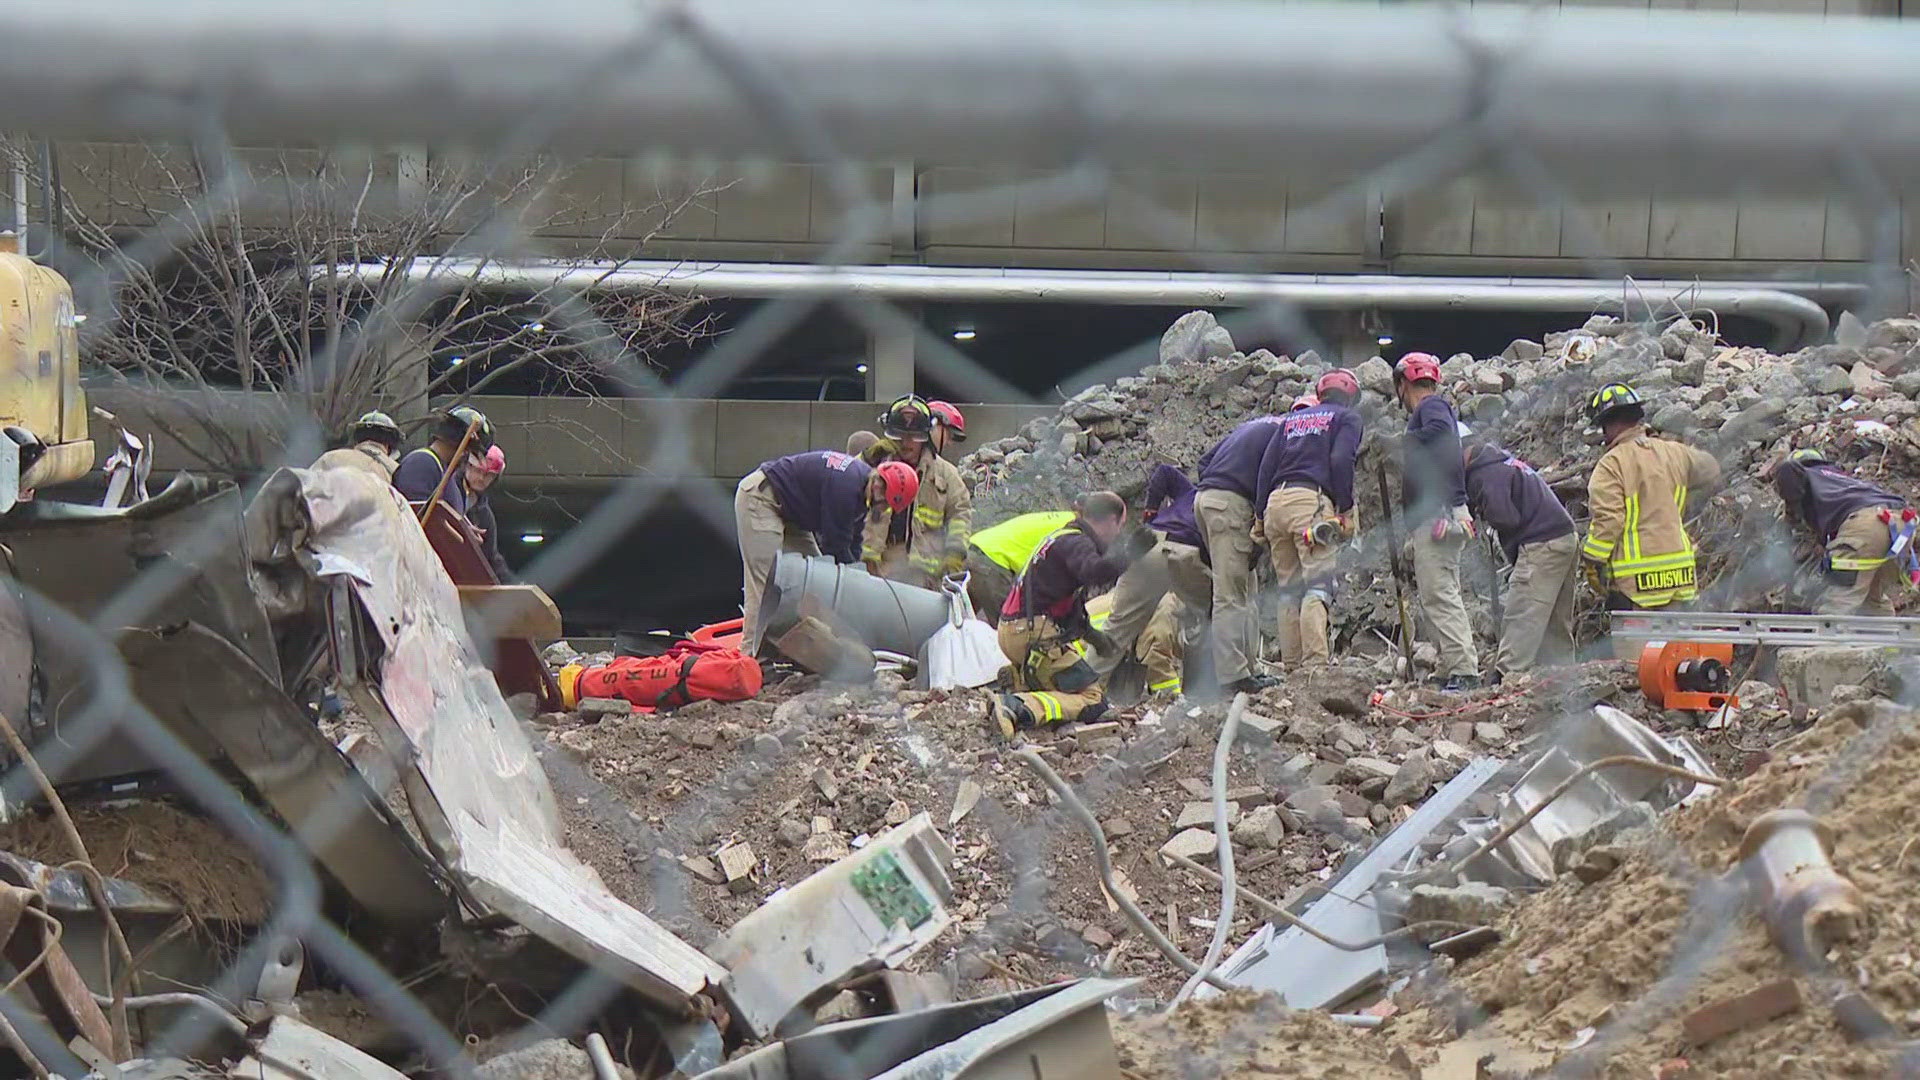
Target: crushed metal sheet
[[292, 1050], [474, 783], [1308, 973], [874, 908], [207, 690], [1535, 854], [1057, 1032], [66, 890]]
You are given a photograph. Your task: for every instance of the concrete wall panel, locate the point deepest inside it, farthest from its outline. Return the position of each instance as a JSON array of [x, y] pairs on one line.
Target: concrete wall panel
[[1241, 212], [1154, 212], [643, 421], [1514, 224], [1043, 218], [973, 207], [1611, 229], [767, 202], [1317, 225], [750, 432], [1692, 228], [829, 214], [1771, 228]]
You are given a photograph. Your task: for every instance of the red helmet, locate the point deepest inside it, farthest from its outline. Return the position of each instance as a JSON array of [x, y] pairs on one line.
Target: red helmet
[[1339, 380], [901, 484], [1416, 366], [949, 417], [1304, 401]]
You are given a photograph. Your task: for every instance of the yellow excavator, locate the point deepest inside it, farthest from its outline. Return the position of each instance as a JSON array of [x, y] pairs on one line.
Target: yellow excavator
[[43, 411]]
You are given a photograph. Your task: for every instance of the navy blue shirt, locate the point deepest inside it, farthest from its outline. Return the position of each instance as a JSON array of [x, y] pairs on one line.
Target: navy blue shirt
[[419, 473], [1234, 462], [1433, 471], [1316, 446], [1170, 501], [823, 492], [1824, 496], [1508, 495]]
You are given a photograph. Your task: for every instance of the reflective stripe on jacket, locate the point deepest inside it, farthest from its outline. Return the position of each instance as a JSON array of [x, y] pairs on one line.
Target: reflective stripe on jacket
[[941, 520], [1637, 500]]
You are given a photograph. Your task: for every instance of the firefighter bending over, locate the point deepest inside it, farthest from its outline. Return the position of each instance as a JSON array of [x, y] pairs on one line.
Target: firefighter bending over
[[1047, 612]]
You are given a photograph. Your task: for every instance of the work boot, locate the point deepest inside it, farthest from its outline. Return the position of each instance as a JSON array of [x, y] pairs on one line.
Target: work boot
[[1009, 715], [1460, 684], [1251, 684]]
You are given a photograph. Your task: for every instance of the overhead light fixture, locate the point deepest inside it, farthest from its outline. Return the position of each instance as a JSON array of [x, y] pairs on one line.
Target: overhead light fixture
[[456, 361], [1385, 339], [964, 333], [536, 326], [533, 538], [861, 368], [80, 318]]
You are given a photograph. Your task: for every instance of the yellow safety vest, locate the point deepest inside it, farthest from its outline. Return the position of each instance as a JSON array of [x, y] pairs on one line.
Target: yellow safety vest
[[1012, 542]]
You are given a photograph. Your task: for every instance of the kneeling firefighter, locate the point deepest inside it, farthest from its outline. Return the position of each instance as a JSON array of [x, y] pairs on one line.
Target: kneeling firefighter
[[1867, 531], [1047, 613]]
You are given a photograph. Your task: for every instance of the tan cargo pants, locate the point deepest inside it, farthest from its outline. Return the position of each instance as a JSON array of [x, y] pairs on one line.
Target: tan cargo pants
[[1436, 572], [1051, 679], [1226, 520], [763, 535], [1538, 602], [1304, 571], [1169, 568], [1161, 648], [1861, 539]]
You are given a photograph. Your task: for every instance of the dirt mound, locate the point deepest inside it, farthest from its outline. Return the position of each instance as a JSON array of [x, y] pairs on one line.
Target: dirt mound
[[185, 858], [1244, 1034]]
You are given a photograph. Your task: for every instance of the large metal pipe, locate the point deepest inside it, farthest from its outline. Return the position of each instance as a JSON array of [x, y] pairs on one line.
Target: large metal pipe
[[1798, 319], [1602, 99], [885, 614]]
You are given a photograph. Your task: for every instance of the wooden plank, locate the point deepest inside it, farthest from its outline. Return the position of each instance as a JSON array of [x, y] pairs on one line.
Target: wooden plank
[[511, 611]]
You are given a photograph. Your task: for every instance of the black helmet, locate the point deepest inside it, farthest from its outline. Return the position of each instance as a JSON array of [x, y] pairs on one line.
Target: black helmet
[[454, 424], [909, 417], [1808, 456], [1613, 399], [377, 426]]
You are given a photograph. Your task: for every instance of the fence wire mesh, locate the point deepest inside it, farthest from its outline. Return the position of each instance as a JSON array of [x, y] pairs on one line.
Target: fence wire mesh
[[257, 300]]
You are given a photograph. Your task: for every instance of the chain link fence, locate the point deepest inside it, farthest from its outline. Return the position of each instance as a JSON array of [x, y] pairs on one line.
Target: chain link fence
[[362, 278]]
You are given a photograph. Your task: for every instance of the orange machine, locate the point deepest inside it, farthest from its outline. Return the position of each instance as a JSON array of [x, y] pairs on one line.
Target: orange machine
[[1691, 676]]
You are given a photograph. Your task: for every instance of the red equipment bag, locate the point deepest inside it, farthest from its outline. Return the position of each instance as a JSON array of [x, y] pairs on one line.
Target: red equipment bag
[[690, 671]]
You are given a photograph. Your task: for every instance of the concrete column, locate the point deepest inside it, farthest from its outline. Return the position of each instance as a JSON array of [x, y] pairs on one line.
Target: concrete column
[[890, 357]]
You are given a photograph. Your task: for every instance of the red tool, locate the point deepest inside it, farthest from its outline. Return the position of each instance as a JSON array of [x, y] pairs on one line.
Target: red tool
[[1691, 676]]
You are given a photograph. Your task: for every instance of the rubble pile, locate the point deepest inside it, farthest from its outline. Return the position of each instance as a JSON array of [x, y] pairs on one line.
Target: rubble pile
[[1635, 964], [781, 785], [1860, 402]]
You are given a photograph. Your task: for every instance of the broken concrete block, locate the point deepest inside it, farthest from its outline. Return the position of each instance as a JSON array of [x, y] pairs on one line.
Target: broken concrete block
[[1195, 787], [1308, 799], [1758, 1006], [1260, 829], [828, 787], [825, 847], [793, 833], [1196, 844], [703, 868], [593, 708], [1117, 828], [1259, 728], [1810, 675], [1199, 815], [964, 801], [1448, 750], [1347, 733], [1472, 903], [1249, 795], [548, 1059], [897, 812], [1410, 781], [1098, 937], [1599, 863], [1360, 769], [737, 862], [1490, 733]]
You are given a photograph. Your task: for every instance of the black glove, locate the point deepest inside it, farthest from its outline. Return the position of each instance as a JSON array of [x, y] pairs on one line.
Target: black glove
[[1137, 541], [1100, 641]]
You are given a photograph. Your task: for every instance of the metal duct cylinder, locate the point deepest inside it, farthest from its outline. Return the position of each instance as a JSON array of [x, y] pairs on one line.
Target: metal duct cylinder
[[885, 614]]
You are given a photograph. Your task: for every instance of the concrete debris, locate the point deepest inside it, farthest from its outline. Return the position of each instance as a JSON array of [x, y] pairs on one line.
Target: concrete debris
[[964, 801], [548, 1059], [592, 709], [1200, 845], [1471, 903], [1199, 815], [1194, 338], [1260, 829]]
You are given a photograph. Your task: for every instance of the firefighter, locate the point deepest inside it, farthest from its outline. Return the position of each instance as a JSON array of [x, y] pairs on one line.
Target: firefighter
[[1045, 615], [1312, 470], [419, 473], [950, 425], [371, 445], [1232, 483], [813, 503], [1855, 521], [1433, 495], [922, 546], [996, 555], [1537, 534], [1637, 553], [1138, 618]]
